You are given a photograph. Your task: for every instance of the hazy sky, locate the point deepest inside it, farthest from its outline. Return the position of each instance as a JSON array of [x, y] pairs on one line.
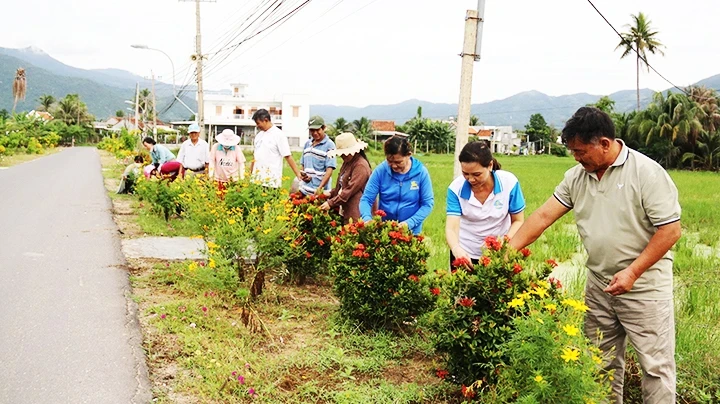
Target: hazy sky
[[380, 51]]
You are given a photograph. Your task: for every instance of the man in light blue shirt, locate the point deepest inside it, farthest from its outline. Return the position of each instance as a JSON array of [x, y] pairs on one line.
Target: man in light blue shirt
[[316, 164]]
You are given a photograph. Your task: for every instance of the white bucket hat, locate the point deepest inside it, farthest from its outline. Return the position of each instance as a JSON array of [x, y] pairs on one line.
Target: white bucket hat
[[228, 138], [347, 144]]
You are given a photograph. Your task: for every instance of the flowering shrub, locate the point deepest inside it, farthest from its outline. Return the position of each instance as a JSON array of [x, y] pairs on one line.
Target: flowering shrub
[[163, 196], [317, 227], [377, 268], [474, 312], [548, 357]]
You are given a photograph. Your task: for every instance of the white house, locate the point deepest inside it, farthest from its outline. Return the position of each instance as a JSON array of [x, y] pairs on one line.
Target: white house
[[290, 112], [502, 138]]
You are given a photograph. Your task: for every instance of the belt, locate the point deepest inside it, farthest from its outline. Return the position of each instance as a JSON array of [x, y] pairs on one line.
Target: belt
[[197, 170]]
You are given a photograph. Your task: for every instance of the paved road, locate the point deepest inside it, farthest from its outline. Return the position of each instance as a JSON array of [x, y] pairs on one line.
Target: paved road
[[68, 332]]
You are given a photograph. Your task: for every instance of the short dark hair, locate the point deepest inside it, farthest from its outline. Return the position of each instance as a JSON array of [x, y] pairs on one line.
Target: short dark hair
[[478, 152], [139, 159], [261, 115], [149, 140], [588, 124], [397, 145]]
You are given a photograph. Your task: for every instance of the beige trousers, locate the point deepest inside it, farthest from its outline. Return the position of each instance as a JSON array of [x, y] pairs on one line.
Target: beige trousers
[[650, 327]]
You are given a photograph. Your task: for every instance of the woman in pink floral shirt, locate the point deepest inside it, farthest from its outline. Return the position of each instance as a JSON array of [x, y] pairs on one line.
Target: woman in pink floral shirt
[[227, 162]]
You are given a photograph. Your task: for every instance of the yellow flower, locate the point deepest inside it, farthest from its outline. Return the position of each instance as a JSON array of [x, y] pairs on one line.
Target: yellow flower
[[571, 330], [517, 302], [524, 295], [192, 267], [253, 210], [541, 292], [288, 238], [267, 231], [576, 304], [597, 359], [611, 378], [211, 245], [211, 264], [570, 354], [539, 320], [544, 284], [282, 218], [538, 378], [551, 307]]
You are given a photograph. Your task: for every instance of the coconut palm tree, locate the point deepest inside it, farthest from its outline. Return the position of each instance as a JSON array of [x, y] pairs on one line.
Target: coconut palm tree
[[474, 120], [19, 86], [640, 39], [706, 99], [363, 128], [340, 125], [46, 101]]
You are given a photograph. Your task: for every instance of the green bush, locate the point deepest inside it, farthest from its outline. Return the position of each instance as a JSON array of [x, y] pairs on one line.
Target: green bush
[[473, 315], [317, 227], [378, 268], [162, 195], [548, 357], [558, 150]]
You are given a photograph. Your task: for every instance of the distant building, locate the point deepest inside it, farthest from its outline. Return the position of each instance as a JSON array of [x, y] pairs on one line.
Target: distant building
[[45, 116], [383, 130], [502, 139], [290, 112]]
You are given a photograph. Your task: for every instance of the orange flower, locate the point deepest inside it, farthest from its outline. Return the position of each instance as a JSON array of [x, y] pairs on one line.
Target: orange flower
[[485, 260], [517, 268], [442, 373], [435, 291], [414, 278], [552, 263]]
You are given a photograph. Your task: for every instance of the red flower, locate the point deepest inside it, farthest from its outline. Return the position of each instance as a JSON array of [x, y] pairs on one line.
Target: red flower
[[360, 246], [307, 254], [435, 291], [322, 243], [466, 301], [461, 262], [517, 268], [552, 263], [442, 373], [493, 243], [394, 242], [357, 253], [376, 241], [509, 283], [360, 224], [296, 202], [485, 260], [414, 278], [366, 255], [525, 252], [556, 282], [312, 198], [467, 392], [333, 223], [421, 238], [380, 213]]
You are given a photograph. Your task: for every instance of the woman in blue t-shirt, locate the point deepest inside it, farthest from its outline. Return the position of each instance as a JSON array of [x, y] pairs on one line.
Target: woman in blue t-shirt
[[403, 186], [485, 201]]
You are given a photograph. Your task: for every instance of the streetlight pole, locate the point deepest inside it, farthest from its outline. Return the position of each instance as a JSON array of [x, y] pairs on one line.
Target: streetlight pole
[[173, 74]]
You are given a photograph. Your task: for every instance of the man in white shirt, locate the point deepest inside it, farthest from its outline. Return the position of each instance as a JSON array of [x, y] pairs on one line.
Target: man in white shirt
[[271, 146], [194, 153]]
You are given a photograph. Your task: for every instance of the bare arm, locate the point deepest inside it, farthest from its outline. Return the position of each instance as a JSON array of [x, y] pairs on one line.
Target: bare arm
[[452, 236], [294, 167], [516, 221], [326, 178], [536, 224], [660, 243]]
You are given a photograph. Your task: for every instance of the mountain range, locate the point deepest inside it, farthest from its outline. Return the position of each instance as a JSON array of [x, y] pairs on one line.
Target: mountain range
[[105, 91]]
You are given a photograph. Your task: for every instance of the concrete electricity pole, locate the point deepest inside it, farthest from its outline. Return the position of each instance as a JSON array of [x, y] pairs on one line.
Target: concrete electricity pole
[[137, 106], [154, 107], [470, 54]]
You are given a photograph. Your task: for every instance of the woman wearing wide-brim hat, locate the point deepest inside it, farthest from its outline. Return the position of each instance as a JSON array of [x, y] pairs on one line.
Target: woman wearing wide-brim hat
[[354, 174], [227, 162]]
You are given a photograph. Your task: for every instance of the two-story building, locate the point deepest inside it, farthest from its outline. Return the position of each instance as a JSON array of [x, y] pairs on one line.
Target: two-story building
[[290, 112]]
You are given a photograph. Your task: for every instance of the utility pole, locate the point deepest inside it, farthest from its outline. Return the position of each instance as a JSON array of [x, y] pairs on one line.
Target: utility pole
[[470, 54], [137, 106], [154, 107]]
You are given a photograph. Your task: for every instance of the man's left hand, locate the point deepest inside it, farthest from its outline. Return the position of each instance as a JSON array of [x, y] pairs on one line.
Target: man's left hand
[[622, 282]]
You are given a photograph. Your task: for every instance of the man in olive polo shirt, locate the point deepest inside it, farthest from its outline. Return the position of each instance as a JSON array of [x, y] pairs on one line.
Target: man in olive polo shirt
[[628, 216]]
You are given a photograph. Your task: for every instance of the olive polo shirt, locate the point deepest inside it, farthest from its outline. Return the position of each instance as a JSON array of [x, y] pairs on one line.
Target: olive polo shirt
[[618, 215]]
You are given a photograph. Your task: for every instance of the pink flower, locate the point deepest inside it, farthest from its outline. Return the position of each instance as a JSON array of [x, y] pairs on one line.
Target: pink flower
[[204, 309], [241, 379], [251, 391], [247, 366], [234, 373], [163, 316]]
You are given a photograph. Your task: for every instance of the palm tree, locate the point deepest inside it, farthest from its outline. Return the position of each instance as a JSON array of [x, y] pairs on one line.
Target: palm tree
[[341, 125], [708, 153], [72, 110], [363, 128], [475, 121], [640, 39], [46, 101], [19, 86], [706, 99]]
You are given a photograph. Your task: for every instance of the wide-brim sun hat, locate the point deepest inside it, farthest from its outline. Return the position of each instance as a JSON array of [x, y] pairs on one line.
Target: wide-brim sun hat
[[227, 138], [347, 144]]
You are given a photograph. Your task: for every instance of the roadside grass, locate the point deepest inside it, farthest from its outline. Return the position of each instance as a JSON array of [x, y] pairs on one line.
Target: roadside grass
[[15, 159], [318, 360]]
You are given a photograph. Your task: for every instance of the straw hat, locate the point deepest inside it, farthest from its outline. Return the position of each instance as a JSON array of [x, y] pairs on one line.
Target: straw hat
[[347, 144], [228, 138]]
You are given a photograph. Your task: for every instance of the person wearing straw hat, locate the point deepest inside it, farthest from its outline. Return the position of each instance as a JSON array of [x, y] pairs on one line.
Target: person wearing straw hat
[[227, 162], [354, 174], [194, 154]]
